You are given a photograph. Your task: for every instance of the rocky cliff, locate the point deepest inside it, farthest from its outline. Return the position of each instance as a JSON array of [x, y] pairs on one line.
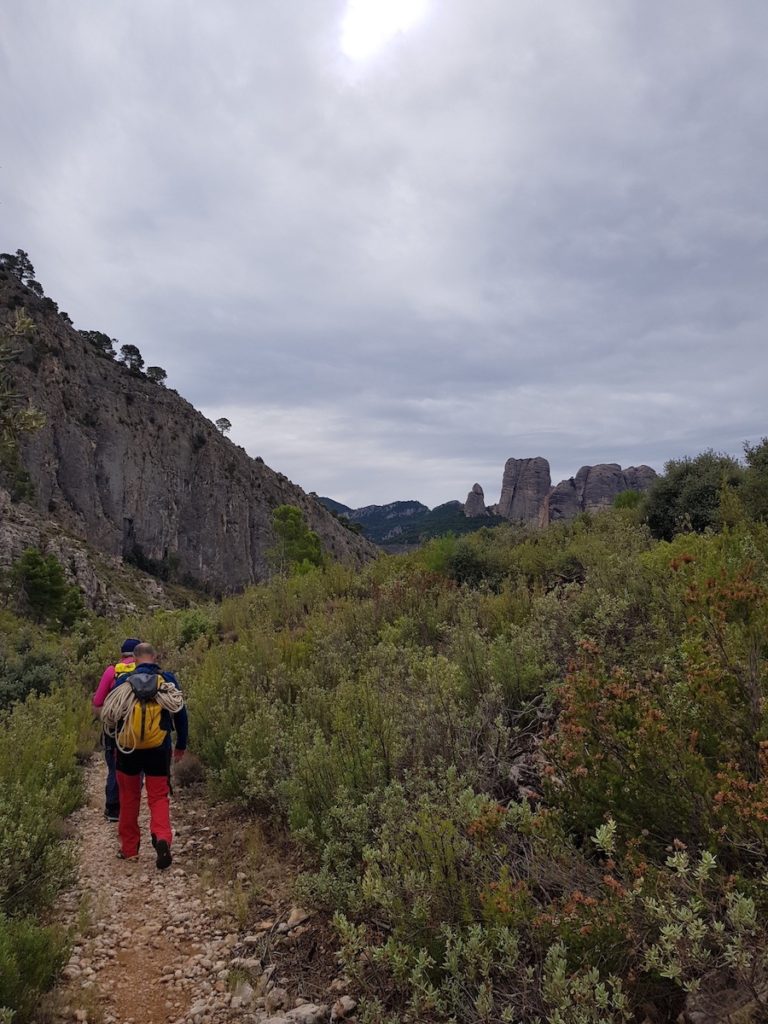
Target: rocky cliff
[[524, 490], [528, 497], [594, 488], [474, 506], [108, 585], [133, 468]]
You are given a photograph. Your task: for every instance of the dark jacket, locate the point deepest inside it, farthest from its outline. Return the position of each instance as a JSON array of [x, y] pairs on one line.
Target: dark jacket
[[179, 722]]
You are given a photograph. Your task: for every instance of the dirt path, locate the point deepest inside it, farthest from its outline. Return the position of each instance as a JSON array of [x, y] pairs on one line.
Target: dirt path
[[158, 947]]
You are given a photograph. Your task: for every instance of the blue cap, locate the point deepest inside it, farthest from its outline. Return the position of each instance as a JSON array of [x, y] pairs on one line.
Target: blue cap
[[129, 646]]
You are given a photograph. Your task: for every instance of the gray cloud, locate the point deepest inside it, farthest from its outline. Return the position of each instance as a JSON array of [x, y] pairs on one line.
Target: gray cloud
[[521, 229]]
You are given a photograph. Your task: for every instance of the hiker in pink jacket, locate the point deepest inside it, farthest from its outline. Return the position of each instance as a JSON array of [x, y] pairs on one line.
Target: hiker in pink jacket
[[126, 664]]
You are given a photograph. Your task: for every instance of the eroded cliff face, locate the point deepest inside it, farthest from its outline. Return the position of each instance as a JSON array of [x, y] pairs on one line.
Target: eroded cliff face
[[136, 471], [474, 506], [524, 489], [527, 495], [108, 586], [594, 488]]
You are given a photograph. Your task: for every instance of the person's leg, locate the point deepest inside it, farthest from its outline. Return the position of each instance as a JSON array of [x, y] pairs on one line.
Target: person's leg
[[159, 807], [128, 826], [156, 766], [112, 804]]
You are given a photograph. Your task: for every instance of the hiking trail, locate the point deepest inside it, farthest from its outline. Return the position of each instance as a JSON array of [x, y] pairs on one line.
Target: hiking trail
[[163, 947]]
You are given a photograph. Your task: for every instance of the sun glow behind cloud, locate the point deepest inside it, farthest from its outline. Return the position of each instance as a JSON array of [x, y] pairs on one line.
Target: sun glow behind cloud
[[369, 25]]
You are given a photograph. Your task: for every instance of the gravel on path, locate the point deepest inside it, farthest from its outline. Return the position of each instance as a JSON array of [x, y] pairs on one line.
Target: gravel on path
[[155, 947]]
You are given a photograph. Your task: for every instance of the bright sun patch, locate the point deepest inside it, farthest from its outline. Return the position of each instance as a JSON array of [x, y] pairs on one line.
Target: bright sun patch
[[370, 24]]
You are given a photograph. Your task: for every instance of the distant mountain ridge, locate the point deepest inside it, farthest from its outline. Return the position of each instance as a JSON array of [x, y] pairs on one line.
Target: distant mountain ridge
[[406, 523]]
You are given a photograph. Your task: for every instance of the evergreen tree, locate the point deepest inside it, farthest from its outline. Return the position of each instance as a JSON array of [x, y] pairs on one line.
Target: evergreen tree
[[101, 341], [19, 264], [40, 584], [223, 425], [132, 358], [298, 548], [156, 374], [42, 590]]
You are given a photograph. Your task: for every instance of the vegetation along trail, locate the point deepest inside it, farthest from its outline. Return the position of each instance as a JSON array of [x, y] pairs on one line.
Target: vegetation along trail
[[159, 947]]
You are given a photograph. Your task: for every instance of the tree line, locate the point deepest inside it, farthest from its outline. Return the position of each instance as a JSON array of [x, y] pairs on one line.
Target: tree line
[[20, 266]]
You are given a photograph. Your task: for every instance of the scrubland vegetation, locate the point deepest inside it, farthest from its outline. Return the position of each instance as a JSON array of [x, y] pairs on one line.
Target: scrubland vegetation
[[41, 740], [528, 770]]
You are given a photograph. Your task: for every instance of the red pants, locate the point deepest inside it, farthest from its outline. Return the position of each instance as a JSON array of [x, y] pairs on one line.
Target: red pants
[[130, 801]]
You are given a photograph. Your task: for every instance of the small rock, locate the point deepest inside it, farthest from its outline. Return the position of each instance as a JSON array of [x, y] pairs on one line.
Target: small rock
[[297, 916], [309, 1013], [276, 999], [244, 992], [342, 1008]]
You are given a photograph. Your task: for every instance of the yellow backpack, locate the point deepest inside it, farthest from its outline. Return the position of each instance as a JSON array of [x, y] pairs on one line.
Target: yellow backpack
[[142, 729]]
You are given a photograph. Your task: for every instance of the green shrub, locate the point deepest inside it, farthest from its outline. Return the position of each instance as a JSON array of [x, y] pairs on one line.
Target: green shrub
[[194, 624], [485, 749], [687, 496], [40, 783], [31, 671], [30, 958]]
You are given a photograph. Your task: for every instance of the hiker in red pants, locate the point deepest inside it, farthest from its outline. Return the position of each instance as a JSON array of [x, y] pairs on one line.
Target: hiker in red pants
[[144, 745]]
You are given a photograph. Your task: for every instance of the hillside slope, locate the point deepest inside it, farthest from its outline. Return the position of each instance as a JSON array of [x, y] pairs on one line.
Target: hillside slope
[[137, 471]]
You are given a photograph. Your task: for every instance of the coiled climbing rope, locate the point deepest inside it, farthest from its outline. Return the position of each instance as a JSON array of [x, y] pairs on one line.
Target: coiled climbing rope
[[117, 711]]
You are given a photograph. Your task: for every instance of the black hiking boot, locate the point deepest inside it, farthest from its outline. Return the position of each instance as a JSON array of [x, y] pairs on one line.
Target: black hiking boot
[[112, 812], [164, 857]]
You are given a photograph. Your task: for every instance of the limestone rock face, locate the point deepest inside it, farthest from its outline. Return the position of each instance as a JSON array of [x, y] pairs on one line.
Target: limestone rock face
[[564, 501], [108, 586], [524, 490], [640, 478], [599, 485], [474, 506], [596, 487], [134, 469]]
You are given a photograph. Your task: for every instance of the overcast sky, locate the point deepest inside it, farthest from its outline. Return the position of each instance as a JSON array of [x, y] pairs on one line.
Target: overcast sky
[[513, 228]]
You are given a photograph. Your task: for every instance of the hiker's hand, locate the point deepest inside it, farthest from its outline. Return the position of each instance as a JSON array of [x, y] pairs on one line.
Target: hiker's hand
[[178, 754]]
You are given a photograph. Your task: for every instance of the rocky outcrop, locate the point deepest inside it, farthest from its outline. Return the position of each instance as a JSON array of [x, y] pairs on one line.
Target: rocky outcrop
[[474, 506], [640, 478], [594, 488], [135, 470], [527, 496], [524, 490], [108, 586], [563, 502]]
